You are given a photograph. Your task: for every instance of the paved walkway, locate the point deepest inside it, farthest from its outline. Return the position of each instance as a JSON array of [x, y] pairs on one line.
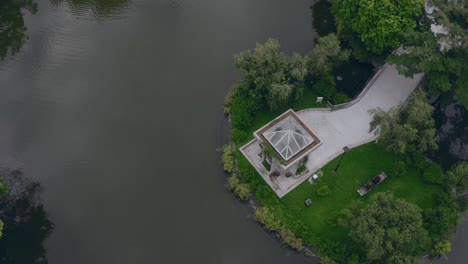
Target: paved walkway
[[346, 127]]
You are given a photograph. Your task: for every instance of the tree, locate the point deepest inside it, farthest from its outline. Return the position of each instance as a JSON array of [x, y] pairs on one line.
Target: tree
[[279, 95], [377, 23], [12, 28], [456, 181], [406, 127], [272, 76], [326, 54], [441, 56], [389, 230]]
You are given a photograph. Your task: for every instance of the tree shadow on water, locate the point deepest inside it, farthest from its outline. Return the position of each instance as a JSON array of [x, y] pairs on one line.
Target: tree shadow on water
[[99, 8], [26, 224], [12, 28]]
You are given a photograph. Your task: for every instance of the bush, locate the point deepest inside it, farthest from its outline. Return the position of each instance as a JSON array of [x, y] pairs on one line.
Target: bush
[[340, 98], [238, 135], [419, 161], [228, 100], [266, 165], [243, 191], [289, 239], [264, 216], [441, 248], [323, 191], [308, 253], [399, 168], [326, 85], [301, 169], [327, 260], [243, 106], [353, 259], [233, 181], [228, 158], [334, 218], [433, 173]]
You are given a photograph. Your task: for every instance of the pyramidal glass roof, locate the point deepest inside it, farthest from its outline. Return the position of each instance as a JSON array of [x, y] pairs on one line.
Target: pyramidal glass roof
[[288, 137]]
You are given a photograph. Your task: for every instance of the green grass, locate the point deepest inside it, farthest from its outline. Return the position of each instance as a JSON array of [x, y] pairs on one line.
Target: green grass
[[307, 100], [358, 166]]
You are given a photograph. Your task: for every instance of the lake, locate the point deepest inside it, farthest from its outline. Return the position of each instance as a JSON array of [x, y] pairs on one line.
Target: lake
[[115, 106]]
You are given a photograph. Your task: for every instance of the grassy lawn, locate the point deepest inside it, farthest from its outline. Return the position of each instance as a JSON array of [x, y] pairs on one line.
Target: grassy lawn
[[358, 166], [307, 100]]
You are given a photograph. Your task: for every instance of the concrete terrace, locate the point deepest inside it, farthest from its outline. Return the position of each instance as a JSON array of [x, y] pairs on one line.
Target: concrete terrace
[[348, 126]]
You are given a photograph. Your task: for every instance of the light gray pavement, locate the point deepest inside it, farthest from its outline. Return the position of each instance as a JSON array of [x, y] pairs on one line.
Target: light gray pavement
[[346, 127]]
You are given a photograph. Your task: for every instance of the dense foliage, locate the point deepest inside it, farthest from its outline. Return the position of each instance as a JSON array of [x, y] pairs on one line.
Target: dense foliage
[[377, 24], [456, 181], [408, 127], [241, 190], [273, 81], [267, 218], [442, 55], [228, 158], [389, 230], [271, 76]]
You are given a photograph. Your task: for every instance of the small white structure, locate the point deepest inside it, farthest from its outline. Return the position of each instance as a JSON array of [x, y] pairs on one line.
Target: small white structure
[[319, 99]]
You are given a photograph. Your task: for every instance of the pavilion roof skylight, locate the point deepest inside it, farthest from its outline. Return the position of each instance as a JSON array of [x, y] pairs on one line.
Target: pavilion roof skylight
[[288, 137]]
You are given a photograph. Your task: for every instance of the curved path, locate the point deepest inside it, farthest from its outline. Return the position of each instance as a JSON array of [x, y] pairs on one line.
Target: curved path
[[345, 127]]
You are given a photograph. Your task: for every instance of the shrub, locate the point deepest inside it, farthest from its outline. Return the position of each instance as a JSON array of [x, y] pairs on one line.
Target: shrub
[[243, 106], [238, 135], [228, 100], [419, 161], [327, 260], [353, 259], [308, 253], [334, 218], [266, 165], [233, 181], [323, 191], [441, 248], [301, 169], [399, 168], [433, 173], [326, 85], [340, 98], [289, 239], [228, 158], [243, 191], [264, 216]]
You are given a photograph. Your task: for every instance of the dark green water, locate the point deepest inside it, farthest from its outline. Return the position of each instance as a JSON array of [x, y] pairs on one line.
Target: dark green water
[[116, 108]]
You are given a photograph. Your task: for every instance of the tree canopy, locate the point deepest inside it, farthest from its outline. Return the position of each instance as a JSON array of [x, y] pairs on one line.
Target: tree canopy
[[443, 55], [457, 183], [407, 127], [377, 23], [325, 55], [389, 230], [273, 75]]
